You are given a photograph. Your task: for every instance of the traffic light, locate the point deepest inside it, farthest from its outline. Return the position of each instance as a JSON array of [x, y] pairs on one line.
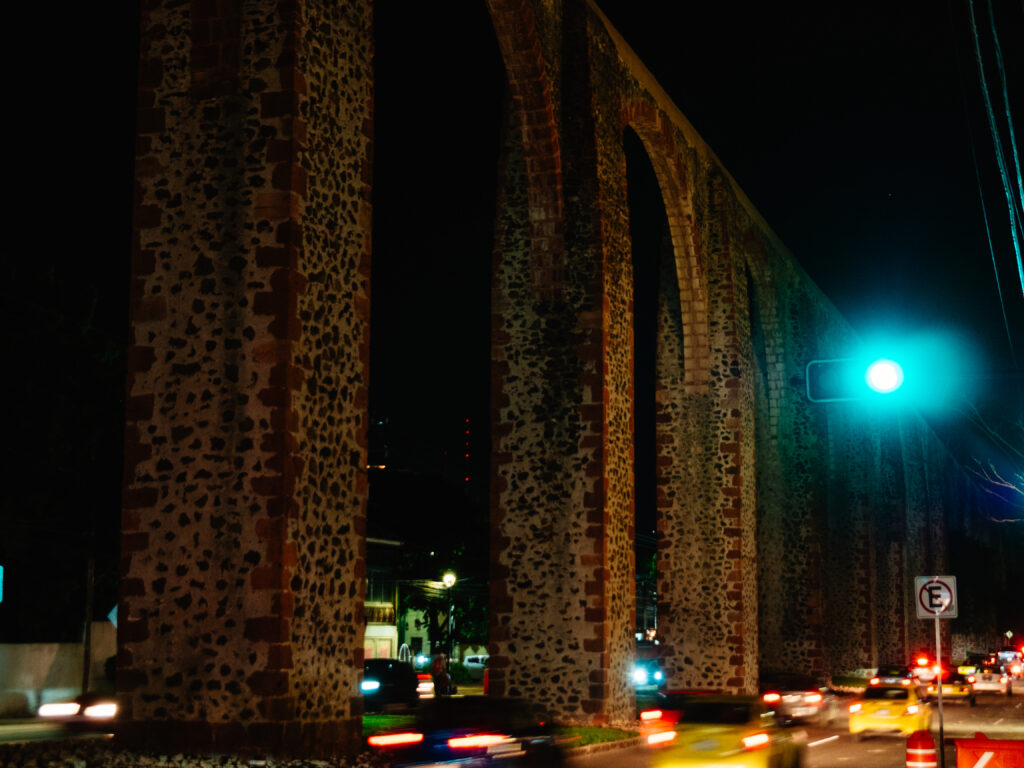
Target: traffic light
[[849, 378]]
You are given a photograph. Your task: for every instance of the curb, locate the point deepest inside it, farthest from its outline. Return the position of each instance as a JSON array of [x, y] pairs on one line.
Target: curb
[[604, 746]]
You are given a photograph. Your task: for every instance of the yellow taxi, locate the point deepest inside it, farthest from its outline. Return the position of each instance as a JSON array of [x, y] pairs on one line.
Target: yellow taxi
[[955, 687], [889, 709], [685, 729]]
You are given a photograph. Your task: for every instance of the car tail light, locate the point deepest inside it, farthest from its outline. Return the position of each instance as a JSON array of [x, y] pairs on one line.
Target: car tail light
[[874, 681], [913, 709], [922, 661], [771, 698], [756, 741], [395, 739], [661, 737], [812, 698], [905, 681], [476, 740], [971, 679], [651, 714], [855, 708], [1004, 679], [1015, 669]]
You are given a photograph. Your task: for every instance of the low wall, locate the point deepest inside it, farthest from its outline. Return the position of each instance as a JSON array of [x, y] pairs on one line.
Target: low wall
[[32, 674]]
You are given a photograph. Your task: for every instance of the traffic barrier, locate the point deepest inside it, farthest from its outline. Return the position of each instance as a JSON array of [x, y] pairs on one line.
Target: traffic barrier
[[983, 752], [921, 750]]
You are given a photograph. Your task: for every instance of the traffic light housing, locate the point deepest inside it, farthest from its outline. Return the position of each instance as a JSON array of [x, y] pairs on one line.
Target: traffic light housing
[[848, 378]]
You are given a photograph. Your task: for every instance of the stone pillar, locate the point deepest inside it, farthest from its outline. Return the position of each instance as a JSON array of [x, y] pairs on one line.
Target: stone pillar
[[707, 574], [243, 568], [562, 586]]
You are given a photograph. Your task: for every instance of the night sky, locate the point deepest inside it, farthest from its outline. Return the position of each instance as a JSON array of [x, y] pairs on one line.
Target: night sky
[[849, 126]]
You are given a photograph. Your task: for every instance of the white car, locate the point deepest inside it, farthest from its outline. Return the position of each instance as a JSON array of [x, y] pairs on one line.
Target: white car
[[475, 666], [989, 679]]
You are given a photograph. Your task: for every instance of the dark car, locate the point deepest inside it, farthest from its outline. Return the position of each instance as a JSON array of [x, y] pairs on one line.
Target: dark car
[[87, 712], [389, 685], [476, 730], [796, 697], [647, 674], [893, 674]]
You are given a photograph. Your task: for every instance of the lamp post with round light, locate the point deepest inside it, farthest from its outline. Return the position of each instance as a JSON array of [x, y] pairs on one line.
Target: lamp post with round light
[[448, 579]]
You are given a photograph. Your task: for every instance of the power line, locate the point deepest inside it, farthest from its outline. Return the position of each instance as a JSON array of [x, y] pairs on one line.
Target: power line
[[998, 145]]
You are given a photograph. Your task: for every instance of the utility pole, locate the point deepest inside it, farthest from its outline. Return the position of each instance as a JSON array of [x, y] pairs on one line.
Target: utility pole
[[90, 578]]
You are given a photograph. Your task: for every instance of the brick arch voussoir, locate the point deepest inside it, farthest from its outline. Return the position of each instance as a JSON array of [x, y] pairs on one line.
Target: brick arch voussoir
[[658, 136], [534, 113]]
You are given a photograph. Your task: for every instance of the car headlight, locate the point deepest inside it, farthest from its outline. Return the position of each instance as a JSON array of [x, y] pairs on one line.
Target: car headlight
[[639, 676], [103, 711], [368, 686], [59, 709]]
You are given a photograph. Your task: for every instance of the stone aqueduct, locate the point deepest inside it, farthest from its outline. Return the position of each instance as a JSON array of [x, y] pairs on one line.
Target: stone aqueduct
[[783, 530]]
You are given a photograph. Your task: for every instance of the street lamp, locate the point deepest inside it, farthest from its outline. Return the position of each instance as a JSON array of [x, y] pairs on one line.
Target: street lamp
[[448, 579]]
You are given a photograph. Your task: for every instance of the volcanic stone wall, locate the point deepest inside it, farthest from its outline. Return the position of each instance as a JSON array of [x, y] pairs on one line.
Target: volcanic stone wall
[[788, 533], [244, 509]]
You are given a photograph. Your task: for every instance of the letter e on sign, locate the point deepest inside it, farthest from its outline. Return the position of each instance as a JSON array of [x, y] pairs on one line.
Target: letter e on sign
[[935, 596]]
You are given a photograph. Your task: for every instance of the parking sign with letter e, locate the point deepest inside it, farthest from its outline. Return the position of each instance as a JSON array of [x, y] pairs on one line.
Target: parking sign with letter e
[[935, 597]]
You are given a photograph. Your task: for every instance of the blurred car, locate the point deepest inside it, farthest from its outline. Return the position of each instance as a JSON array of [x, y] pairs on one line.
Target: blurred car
[[712, 729], [389, 685], [887, 709], [972, 663], [893, 674], [424, 684], [797, 697], [472, 730], [989, 678], [1011, 661], [924, 669], [88, 711], [475, 666], [647, 674], [955, 688]]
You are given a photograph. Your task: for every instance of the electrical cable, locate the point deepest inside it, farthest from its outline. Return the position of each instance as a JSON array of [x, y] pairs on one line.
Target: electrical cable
[[1009, 116], [981, 198], [998, 146]]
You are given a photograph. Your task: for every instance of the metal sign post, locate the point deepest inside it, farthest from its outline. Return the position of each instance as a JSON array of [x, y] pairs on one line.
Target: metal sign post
[[936, 598]]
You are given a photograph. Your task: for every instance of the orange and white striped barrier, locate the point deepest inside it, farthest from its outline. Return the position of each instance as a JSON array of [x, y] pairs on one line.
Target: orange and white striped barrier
[[921, 750]]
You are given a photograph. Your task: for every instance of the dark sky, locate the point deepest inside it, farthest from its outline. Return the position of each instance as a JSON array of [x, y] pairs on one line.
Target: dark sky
[[853, 129], [847, 126]]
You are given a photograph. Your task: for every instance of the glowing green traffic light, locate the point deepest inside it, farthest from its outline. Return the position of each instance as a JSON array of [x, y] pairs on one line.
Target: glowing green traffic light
[[850, 378], [884, 376]]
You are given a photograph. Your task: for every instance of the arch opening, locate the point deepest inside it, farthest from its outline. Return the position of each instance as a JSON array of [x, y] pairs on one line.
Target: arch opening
[[434, 185]]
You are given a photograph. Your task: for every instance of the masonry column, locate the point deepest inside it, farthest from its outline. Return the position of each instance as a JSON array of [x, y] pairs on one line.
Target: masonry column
[[243, 568], [707, 549]]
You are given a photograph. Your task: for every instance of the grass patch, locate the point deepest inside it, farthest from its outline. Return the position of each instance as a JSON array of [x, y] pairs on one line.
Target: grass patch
[[376, 723], [581, 736]]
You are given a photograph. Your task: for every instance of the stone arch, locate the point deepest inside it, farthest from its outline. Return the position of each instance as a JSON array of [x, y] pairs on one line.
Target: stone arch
[[533, 108], [667, 158]]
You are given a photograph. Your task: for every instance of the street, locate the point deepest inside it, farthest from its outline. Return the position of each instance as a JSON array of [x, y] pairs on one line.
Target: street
[[998, 717]]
